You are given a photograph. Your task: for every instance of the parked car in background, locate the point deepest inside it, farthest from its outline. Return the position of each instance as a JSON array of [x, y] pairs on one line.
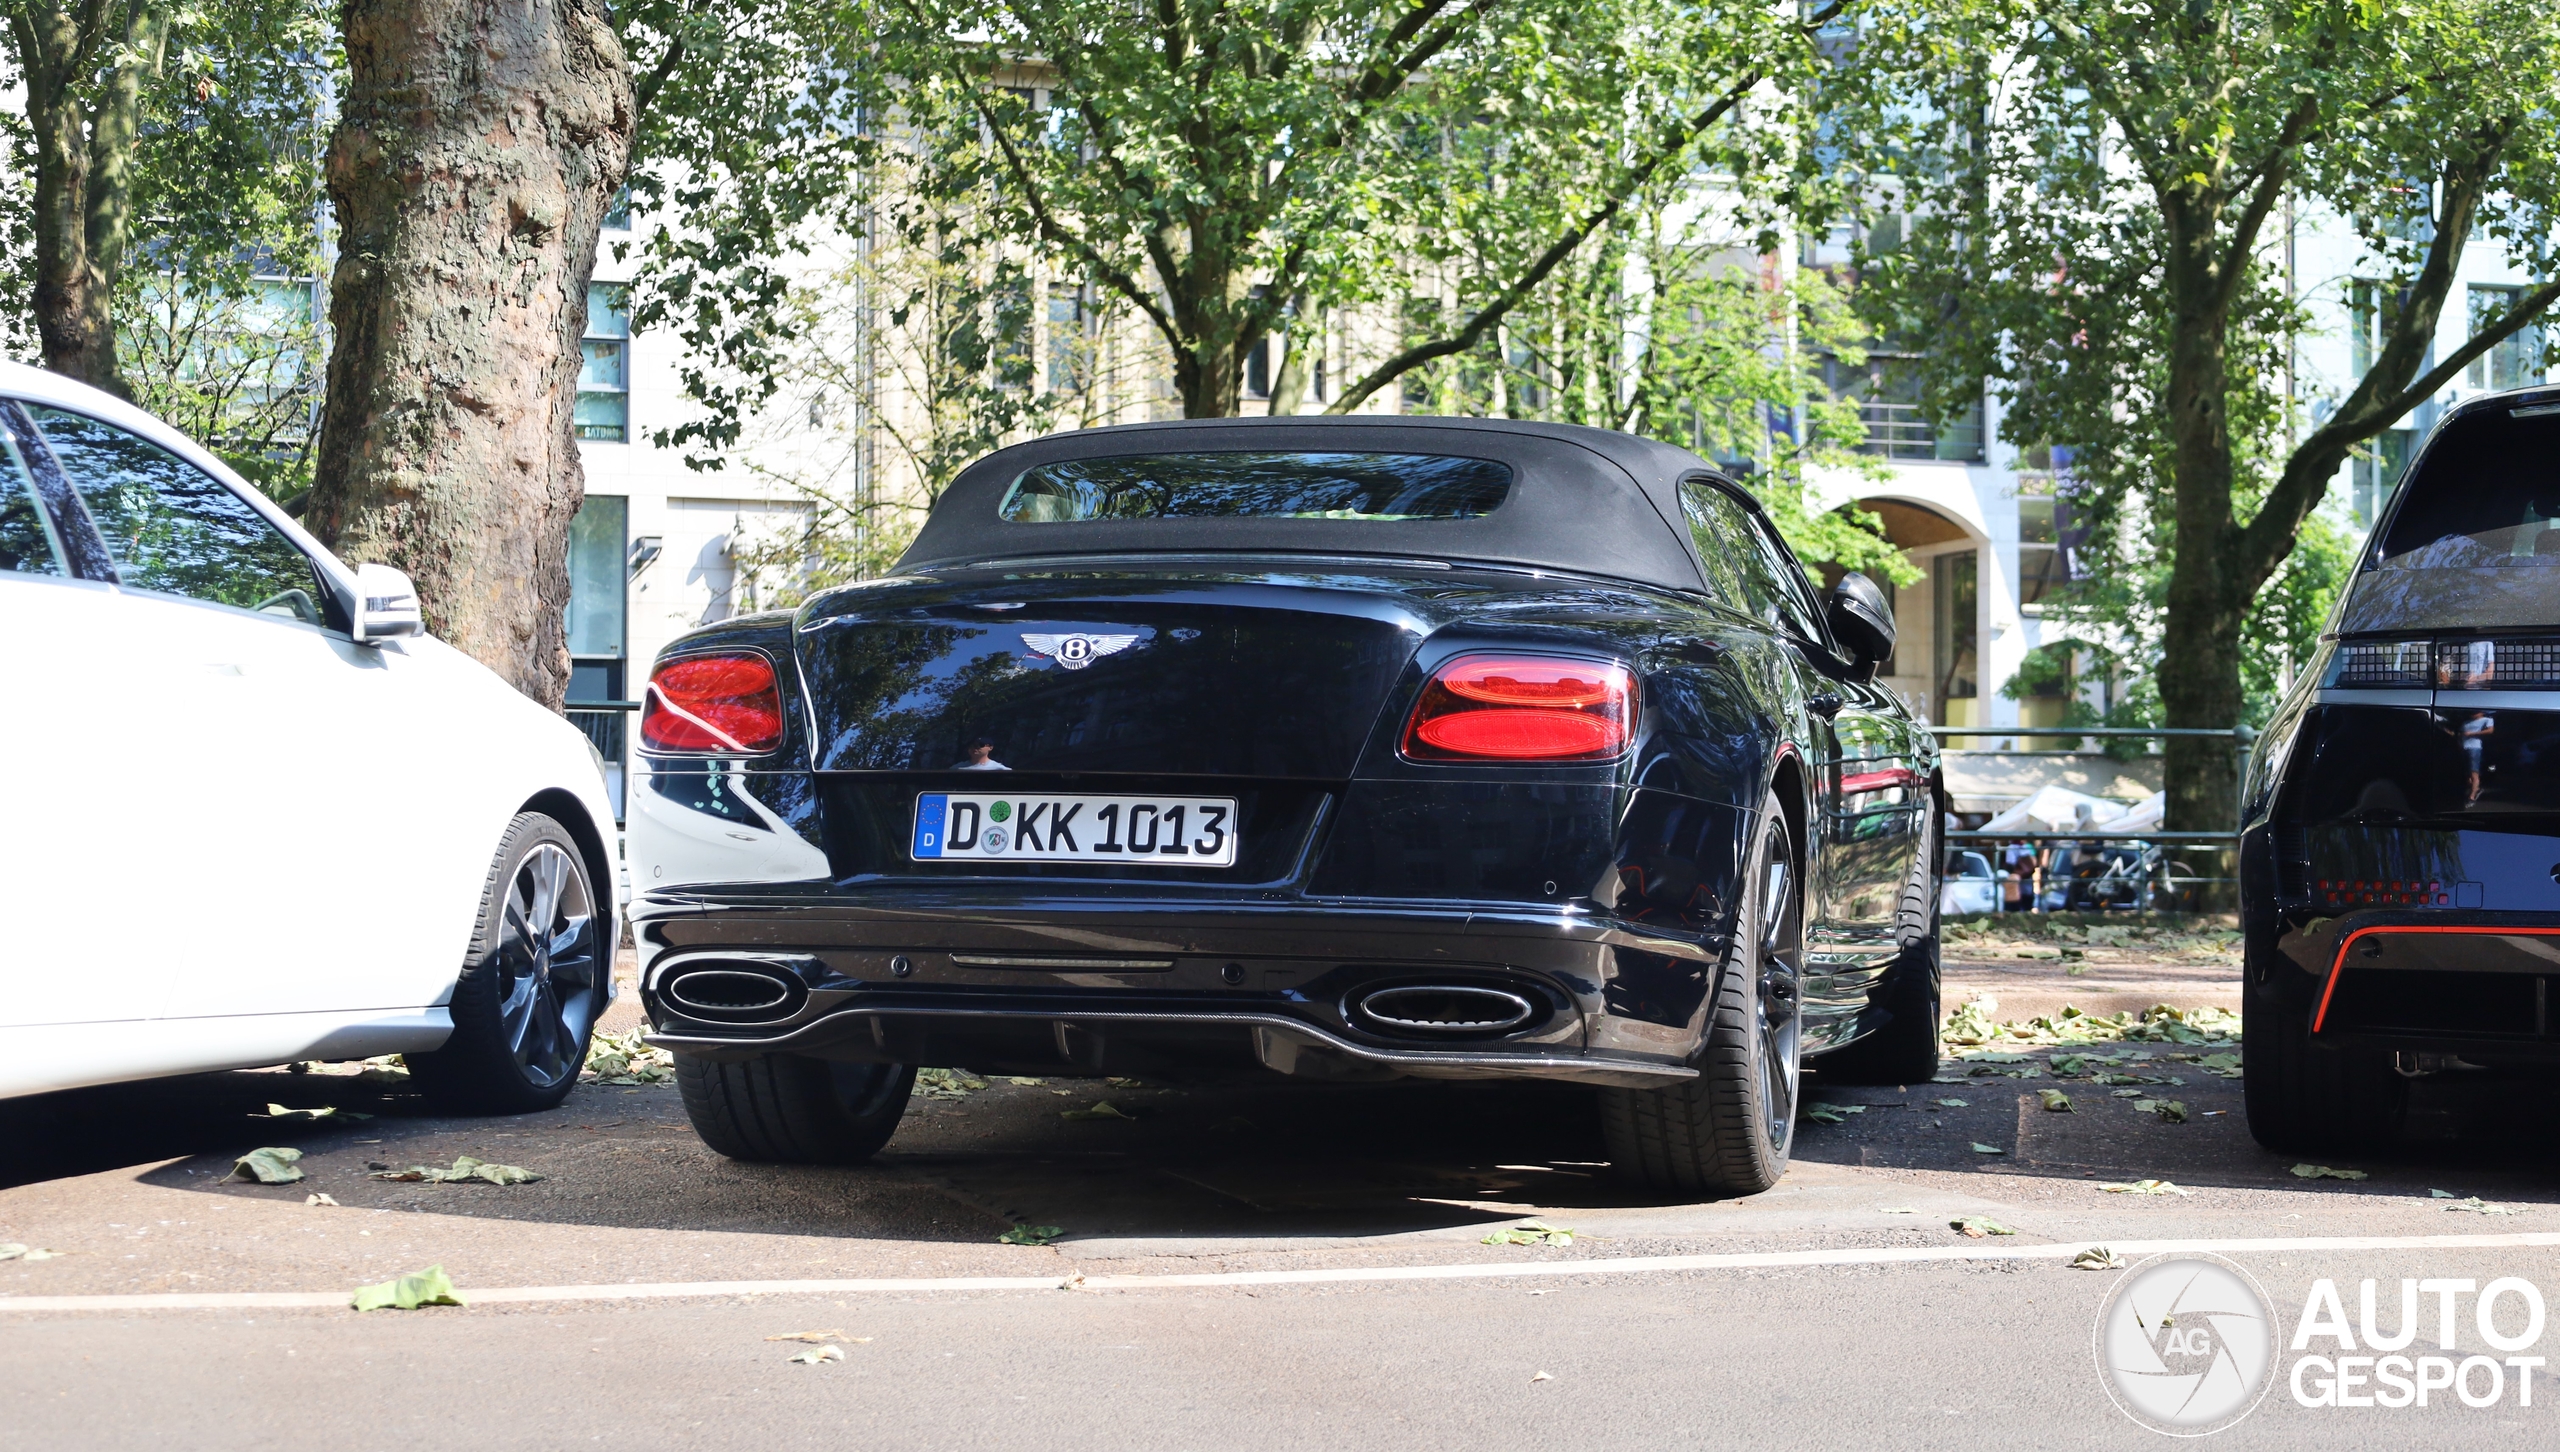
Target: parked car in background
[[2400, 864], [1345, 749], [1970, 886], [257, 815]]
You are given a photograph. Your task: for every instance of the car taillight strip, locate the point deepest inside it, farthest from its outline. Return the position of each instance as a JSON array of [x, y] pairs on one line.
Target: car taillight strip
[[2452, 665], [1521, 707], [714, 704]]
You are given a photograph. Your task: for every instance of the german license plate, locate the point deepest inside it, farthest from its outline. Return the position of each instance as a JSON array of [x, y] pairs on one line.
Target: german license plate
[[1002, 827]]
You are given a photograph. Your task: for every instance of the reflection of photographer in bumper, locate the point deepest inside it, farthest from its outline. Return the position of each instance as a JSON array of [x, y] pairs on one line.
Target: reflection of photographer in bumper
[[2475, 733]]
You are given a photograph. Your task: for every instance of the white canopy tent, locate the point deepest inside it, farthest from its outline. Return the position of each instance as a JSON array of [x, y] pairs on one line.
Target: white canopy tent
[[2057, 809]]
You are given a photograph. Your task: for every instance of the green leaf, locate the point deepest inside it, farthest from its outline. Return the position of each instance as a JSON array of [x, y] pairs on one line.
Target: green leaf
[[15, 1251], [2097, 1257], [1535, 1232], [465, 1167], [1031, 1235], [278, 1111], [1952, 1103], [1976, 1227], [1987, 1149], [2477, 1206], [2142, 1187], [1104, 1109], [2055, 1101], [429, 1287], [2323, 1172], [268, 1166]]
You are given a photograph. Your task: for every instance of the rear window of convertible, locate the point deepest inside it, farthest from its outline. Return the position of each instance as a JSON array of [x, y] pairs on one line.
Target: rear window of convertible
[[1381, 488]]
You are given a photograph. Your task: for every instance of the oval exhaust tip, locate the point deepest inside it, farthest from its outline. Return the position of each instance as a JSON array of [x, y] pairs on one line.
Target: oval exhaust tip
[[1446, 1008], [727, 991]]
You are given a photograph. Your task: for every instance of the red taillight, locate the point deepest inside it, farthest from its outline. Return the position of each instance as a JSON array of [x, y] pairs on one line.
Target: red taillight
[[1522, 708], [713, 703]]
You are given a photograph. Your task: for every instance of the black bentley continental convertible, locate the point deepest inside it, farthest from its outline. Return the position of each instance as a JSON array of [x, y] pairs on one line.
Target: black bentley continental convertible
[[1344, 749]]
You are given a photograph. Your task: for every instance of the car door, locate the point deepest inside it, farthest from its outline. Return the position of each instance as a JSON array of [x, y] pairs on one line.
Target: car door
[[1860, 754], [267, 874], [76, 719]]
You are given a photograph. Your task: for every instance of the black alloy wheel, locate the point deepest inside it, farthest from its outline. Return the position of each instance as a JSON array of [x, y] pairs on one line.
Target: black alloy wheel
[[1729, 1130], [534, 985], [1781, 999]]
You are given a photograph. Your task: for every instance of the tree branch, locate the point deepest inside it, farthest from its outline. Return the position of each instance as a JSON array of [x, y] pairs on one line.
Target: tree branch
[[2275, 167], [1058, 232], [645, 90], [1675, 142], [2389, 390]]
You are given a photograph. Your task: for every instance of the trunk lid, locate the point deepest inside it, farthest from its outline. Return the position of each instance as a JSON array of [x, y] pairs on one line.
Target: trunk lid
[[1134, 675]]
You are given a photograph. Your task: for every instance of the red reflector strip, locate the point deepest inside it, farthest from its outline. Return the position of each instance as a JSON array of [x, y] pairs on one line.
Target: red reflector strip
[[1876, 781]]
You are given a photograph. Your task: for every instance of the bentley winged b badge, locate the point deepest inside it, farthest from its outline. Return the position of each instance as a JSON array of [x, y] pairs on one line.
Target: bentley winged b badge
[[1075, 652]]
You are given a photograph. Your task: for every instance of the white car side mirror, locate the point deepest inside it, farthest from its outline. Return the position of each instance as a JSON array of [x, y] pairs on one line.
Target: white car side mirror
[[386, 605]]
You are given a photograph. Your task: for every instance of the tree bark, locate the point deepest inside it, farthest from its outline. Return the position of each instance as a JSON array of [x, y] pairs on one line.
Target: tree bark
[[480, 143], [83, 76], [2200, 656]]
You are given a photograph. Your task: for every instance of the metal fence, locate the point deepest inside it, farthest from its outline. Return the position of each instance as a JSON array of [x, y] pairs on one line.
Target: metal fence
[[2161, 881]]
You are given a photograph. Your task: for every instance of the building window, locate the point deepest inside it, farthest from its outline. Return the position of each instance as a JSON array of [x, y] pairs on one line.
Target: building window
[[2377, 473], [2043, 567], [2372, 308], [1070, 350], [604, 377], [2513, 361], [617, 213], [1257, 368], [596, 619], [1886, 388], [1954, 585]]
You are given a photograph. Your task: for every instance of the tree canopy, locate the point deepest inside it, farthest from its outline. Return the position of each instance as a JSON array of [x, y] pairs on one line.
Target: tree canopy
[[2099, 196]]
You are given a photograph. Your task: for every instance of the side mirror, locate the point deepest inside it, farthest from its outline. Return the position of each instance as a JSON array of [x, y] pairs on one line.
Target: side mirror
[[386, 605], [1861, 620]]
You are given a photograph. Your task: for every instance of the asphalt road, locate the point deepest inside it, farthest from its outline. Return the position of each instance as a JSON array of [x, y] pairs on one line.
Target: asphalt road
[[1444, 1346]]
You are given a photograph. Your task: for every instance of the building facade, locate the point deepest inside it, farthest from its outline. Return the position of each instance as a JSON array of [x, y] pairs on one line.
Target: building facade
[[661, 547]]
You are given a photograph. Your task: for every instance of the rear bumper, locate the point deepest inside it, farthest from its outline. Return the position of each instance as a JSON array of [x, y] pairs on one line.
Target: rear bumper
[[2480, 984], [1016, 982]]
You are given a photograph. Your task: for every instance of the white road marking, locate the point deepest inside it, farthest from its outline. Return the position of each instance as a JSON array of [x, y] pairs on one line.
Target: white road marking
[[1472, 1270]]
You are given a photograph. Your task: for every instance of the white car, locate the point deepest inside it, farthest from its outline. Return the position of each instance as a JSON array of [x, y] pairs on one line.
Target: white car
[[1970, 886], [256, 815]]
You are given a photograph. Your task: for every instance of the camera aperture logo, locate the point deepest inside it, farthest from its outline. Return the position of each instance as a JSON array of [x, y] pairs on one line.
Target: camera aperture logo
[[2186, 1344]]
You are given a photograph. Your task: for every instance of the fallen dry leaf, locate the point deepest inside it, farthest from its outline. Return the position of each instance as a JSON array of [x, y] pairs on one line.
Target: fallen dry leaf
[[429, 1287], [270, 1166]]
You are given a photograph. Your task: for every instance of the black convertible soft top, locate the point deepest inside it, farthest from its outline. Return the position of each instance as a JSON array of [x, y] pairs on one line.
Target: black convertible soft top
[[1582, 499]]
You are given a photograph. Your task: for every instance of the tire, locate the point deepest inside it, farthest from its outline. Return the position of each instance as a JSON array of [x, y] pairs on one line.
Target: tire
[[1728, 1131], [786, 1109], [526, 1001], [1904, 1048], [2303, 1096]]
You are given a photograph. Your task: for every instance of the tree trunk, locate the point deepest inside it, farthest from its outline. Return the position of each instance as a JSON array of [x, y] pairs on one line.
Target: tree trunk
[[84, 111], [480, 143], [2200, 658]]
